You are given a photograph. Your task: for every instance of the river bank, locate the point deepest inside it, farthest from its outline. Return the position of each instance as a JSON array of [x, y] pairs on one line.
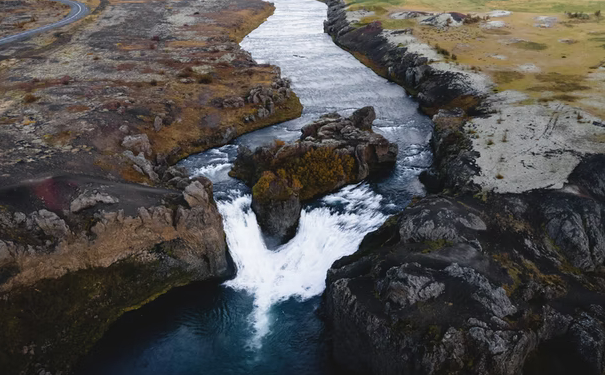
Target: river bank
[[499, 270], [94, 219]]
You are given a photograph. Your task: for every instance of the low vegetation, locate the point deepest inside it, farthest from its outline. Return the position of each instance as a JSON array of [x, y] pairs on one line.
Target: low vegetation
[[539, 38], [317, 171]]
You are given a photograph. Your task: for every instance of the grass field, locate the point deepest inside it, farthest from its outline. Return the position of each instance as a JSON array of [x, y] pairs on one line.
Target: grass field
[[528, 6], [564, 62]]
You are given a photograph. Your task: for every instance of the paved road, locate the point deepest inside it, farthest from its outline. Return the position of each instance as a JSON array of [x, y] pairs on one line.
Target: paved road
[[78, 11]]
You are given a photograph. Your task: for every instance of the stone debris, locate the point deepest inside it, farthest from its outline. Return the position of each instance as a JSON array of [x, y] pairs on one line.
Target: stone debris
[[90, 199], [142, 165], [546, 21], [158, 124], [51, 224], [499, 13], [137, 143]]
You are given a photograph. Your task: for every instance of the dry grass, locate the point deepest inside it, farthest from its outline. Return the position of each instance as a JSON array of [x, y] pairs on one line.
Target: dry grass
[[535, 6], [504, 76], [521, 42], [60, 139]]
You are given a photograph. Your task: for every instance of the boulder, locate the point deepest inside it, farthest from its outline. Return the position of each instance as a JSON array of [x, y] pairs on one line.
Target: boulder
[[142, 165], [51, 224], [158, 124], [195, 194], [137, 143], [363, 118], [90, 199]]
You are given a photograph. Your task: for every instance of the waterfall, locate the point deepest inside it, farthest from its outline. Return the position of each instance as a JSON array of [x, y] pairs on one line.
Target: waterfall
[[298, 268]]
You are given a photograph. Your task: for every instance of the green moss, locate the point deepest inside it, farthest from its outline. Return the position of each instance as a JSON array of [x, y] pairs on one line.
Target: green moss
[[507, 76], [316, 172], [514, 272], [532, 46], [434, 334], [66, 316], [436, 245]]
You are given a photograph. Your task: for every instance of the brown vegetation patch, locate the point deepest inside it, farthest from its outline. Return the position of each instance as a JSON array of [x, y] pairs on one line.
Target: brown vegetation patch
[[29, 98], [60, 139], [125, 67], [129, 174], [531, 46], [560, 82], [507, 76], [497, 32], [77, 108], [187, 43], [133, 47]]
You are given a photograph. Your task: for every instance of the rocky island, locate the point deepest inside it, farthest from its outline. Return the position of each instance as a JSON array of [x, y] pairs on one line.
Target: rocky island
[[331, 153]]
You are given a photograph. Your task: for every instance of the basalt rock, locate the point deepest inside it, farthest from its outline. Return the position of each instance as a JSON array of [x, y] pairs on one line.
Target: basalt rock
[[462, 286], [331, 152], [137, 143], [90, 199], [506, 284]]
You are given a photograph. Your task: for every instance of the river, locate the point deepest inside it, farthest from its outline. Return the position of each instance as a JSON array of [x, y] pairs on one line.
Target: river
[[266, 320]]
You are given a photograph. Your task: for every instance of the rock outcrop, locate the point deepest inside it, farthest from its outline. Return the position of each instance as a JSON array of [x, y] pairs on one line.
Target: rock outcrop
[[331, 152], [76, 252], [463, 286]]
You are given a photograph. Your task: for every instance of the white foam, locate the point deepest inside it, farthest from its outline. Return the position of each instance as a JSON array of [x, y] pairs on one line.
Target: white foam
[[298, 268], [211, 171]]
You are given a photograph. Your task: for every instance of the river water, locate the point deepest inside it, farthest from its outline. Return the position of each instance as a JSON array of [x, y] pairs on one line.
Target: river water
[[265, 320]]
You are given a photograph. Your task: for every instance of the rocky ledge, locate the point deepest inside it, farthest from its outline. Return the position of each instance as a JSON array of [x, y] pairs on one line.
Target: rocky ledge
[[332, 152], [76, 252], [513, 284], [470, 281]]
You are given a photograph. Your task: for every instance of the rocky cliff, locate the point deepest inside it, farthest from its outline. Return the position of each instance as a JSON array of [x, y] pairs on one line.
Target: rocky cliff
[[464, 286], [473, 282], [76, 252], [331, 152]]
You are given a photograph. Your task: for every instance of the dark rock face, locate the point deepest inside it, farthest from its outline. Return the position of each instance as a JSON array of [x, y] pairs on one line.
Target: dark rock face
[[331, 152], [463, 286], [278, 218]]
